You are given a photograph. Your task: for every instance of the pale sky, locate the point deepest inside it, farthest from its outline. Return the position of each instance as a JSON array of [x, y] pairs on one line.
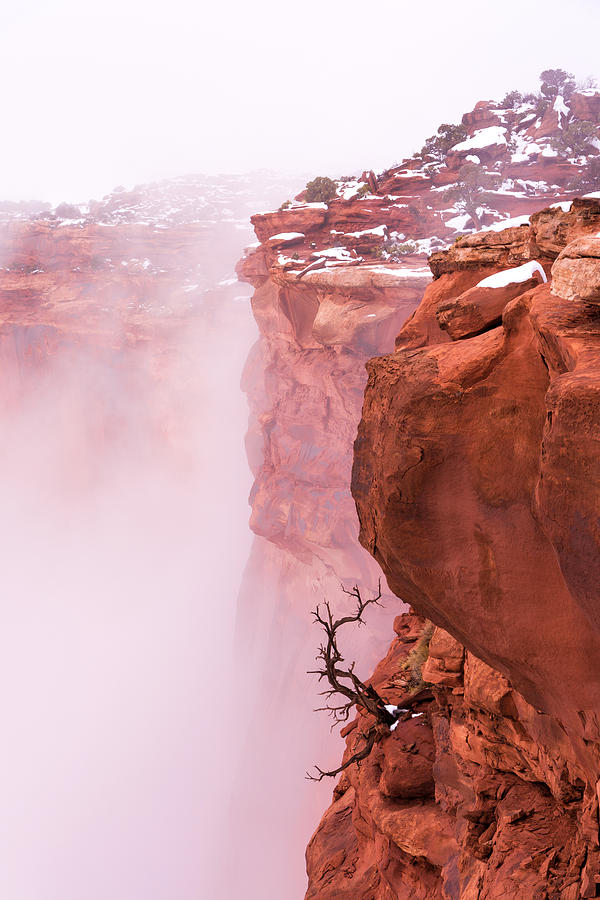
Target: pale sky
[[127, 91]]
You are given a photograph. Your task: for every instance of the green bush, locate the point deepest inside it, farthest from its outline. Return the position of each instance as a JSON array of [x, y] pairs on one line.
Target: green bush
[[589, 179], [398, 249], [470, 192], [447, 137], [512, 100], [540, 106], [320, 190], [362, 191], [555, 82], [576, 139]]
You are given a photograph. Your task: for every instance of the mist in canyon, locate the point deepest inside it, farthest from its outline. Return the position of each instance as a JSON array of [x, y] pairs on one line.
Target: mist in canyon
[[127, 703], [158, 716], [123, 550]]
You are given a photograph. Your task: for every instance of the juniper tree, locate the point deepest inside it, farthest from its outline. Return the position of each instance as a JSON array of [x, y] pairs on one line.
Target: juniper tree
[[471, 189]]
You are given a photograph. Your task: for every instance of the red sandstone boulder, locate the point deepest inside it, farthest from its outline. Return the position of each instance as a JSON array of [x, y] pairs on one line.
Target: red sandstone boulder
[[493, 249], [553, 228], [479, 308], [576, 272], [585, 106], [307, 218], [406, 760]]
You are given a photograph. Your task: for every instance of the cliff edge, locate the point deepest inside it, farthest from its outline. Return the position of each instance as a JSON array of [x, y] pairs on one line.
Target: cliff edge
[[476, 478]]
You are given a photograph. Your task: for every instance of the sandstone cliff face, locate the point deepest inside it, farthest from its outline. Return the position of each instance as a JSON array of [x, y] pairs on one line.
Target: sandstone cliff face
[[333, 284], [475, 479]]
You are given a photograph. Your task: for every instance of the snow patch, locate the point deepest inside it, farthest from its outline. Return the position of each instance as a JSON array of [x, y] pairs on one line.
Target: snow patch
[[350, 189], [340, 253], [287, 236], [379, 232], [507, 223], [458, 223], [560, 106], [513, 276], [421, 272], [483, 137]]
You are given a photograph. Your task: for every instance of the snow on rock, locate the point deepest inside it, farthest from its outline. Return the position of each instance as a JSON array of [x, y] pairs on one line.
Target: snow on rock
[[396, 710], [524, 149], [296, 206], [421, 272], [349, 189], [288, 236], [340, 253], [484, 137], [458, 223], [513, 276], [565, 205], [474, 159], [561, 107], [594, 195], [286, 261], [379, 232], [507, 223]]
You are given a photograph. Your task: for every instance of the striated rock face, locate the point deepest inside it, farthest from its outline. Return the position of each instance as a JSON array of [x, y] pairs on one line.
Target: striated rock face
[[305, 380], [334, 284], [475, 479], [576, 272]]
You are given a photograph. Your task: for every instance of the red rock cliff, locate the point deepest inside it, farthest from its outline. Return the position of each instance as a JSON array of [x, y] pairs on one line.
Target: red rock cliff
[[333, 282], [475, 479]]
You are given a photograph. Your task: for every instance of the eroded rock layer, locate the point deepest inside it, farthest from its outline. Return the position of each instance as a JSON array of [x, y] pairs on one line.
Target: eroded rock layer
[[334, 283], [476, 478]]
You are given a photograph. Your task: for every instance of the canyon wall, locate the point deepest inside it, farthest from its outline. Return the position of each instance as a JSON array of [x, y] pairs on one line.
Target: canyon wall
[[457, 798], [480, 505]]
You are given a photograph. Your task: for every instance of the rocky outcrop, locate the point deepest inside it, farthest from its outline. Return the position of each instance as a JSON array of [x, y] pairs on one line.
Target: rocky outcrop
[[334, 282], [474, 476], [576, 272]]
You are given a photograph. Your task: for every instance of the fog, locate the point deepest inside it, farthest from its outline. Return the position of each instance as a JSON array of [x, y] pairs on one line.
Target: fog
[[125, 91], [133, 764], [123, 546]]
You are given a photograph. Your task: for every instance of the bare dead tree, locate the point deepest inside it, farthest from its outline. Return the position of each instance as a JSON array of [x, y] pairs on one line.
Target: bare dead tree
[[344, 683]]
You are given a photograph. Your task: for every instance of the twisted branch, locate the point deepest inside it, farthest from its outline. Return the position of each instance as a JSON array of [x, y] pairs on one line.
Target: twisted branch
[[343, 681]]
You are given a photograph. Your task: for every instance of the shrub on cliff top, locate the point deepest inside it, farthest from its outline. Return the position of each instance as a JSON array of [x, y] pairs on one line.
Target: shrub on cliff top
[[320, 190], [447, 137], [470, 189], [394, 249], [512, 100], [588, 179], [577, 139], [555, 82], [587, 84]]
